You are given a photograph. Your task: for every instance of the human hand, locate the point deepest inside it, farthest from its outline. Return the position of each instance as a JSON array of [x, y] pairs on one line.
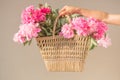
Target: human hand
[[68, 10]]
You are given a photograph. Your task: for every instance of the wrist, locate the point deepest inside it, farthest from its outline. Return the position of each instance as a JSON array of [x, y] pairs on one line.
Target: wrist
[[81, 11], [78, 11]]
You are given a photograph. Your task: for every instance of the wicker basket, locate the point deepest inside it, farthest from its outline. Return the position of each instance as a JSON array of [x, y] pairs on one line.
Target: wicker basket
[[64, 55]]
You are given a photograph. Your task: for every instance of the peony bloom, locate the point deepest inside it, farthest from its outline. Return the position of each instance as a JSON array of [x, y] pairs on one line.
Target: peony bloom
[[45, 10], [39, 16], [92, 23], [18, 37], [104, 41], [81, 26], [31, 15], [67, 31], [26, 32], [97, 28]]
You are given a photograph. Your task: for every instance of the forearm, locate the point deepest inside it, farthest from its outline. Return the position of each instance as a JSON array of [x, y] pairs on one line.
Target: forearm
[[101, 15], [94, 13], [104, 16], [113, 19]]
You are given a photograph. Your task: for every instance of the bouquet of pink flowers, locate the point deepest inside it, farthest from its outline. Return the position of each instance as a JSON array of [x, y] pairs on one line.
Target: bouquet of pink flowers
[[35, 22], [94, 28], [40, 22]]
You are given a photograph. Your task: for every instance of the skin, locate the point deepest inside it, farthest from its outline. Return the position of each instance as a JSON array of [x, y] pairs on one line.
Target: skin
[[101, 15]]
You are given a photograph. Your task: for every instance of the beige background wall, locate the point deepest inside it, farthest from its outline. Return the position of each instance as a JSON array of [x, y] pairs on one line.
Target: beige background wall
[[24, 63]]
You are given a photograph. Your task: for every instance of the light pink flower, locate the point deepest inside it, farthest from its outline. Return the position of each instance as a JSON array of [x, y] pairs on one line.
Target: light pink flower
[[67, 31], [18, 37], [104, 41], [26, 32], [92, 23], [31, 15], [81, 26]]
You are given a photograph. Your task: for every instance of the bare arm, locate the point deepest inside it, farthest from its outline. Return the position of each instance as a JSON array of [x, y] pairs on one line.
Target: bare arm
[[104, 16], [113, 19]]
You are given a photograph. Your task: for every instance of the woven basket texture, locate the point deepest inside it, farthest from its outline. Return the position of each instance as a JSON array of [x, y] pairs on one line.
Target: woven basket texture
[[64, 55]]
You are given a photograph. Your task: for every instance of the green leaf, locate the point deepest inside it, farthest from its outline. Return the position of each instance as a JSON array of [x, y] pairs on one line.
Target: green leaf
[[25, 43], [47, 31], [93, 44], [41, 34], [75, 15], [29, 42], [46, 5]]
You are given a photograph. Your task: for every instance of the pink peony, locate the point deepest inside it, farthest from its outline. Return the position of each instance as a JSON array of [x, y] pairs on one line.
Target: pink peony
[[39, 16], [97, 28], [81, 26], [26, 32], [104, 41], [18, 37], [92, 23], [45, 10], [31, 15], [67, 31]]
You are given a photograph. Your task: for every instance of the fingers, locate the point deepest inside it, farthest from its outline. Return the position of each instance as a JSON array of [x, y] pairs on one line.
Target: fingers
[[63, 11]]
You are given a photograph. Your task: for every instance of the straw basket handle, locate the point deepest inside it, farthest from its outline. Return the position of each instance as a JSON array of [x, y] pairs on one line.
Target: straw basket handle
[[55, 23]]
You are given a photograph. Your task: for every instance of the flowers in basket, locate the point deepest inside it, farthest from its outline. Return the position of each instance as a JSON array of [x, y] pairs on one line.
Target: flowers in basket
[[40, 21]]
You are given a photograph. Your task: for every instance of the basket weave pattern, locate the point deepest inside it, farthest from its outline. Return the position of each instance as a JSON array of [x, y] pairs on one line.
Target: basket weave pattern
[[60, 54]]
